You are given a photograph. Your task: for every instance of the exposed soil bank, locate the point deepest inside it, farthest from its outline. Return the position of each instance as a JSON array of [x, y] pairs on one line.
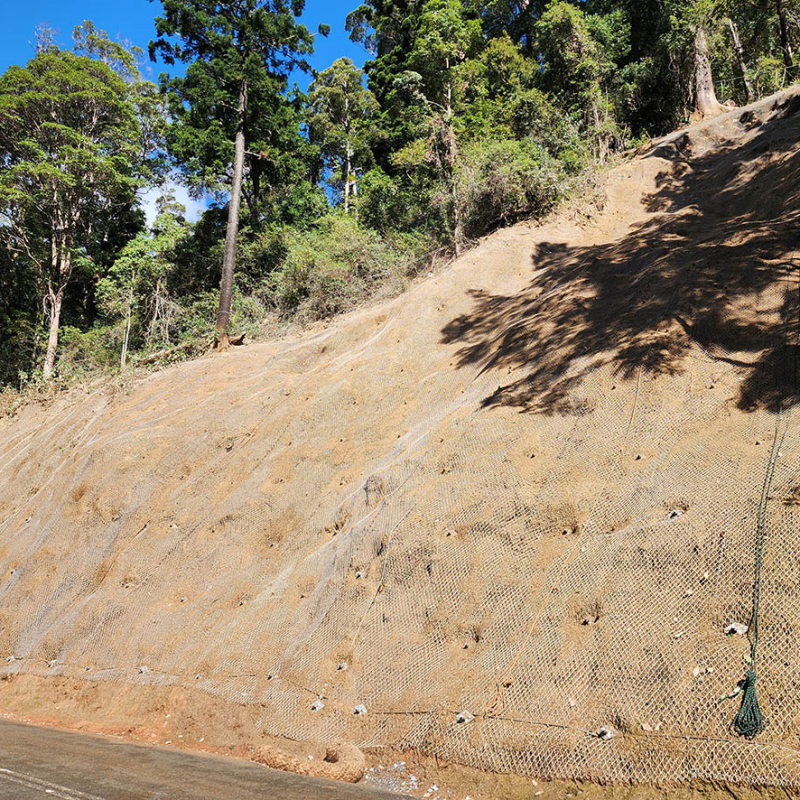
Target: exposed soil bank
[[523, 495]]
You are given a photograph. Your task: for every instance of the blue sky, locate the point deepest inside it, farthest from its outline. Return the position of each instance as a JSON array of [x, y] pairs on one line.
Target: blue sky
[[133, 20]]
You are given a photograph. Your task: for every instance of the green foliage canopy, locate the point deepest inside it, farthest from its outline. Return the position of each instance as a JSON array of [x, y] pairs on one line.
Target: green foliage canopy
[[74, 156], [223, 44]]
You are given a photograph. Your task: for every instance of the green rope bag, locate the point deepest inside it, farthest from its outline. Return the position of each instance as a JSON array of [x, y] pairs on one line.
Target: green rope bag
[[748, 721]]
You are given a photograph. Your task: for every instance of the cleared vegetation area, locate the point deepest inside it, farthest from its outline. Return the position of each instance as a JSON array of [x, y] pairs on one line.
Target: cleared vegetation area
[[354, 534]]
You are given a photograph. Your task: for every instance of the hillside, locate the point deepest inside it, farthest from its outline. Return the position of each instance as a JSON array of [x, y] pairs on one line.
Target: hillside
[[528, 488]]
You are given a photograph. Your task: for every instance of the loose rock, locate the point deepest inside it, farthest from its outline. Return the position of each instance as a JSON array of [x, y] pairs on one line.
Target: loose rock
[[736, 628]]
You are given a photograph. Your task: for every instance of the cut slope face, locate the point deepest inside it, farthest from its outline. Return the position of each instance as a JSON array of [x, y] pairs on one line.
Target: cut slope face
[[528, 489]]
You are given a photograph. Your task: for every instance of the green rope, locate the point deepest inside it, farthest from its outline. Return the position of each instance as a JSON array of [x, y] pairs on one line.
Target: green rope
[[748, 721]]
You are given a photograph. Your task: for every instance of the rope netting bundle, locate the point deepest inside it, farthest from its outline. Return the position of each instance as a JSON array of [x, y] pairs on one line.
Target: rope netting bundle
[[748, 721]]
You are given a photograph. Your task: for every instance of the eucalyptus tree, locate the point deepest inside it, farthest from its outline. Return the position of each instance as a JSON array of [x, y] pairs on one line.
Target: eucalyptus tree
[[73, 158], [342, 122]]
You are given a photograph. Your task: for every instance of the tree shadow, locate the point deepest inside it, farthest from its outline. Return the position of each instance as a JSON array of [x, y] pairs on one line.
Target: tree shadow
[[715, 267]]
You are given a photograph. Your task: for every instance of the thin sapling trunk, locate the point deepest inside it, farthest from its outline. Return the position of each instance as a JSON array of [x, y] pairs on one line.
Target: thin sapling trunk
[[737, 49]]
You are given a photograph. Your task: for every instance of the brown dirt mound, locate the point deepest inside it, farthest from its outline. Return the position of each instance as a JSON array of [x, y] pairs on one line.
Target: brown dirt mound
[[342, 762], [414, 510]]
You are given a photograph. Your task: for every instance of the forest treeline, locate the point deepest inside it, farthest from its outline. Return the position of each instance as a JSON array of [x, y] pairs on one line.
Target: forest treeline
[[468, 115]]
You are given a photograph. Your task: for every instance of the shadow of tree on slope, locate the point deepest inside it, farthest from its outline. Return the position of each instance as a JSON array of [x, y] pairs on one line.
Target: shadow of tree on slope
[[715, 268]]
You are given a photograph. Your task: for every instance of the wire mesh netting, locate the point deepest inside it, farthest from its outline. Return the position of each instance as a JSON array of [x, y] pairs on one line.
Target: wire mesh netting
[[350, 518]]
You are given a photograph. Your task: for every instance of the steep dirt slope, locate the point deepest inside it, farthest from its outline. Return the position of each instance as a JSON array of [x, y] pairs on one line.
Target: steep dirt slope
[[527, 489]]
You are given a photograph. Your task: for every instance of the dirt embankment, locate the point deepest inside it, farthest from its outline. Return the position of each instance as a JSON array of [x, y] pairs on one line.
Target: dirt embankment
[[523, 495]]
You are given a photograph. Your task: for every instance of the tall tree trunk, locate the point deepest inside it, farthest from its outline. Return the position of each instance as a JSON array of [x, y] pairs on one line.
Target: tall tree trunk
[[347, 172], [124, 357], [737, 49], [452, 157], [705, 96], [786, 45], [348, 155], [229, 259], [55, 300], [60, 273]]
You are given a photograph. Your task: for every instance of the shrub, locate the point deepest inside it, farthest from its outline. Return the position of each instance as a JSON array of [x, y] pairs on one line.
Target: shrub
[[503, 181], [86, 352], [331, 267], [21, 341]]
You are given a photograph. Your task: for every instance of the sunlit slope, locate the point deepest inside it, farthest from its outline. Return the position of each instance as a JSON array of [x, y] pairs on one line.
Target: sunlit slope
[[527, 489]]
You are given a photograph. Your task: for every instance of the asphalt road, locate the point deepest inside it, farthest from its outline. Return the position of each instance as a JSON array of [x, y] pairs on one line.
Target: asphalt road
[[40, 763]]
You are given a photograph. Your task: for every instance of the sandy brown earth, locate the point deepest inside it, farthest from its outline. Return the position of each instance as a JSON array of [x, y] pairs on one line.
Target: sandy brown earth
[[527, 489]]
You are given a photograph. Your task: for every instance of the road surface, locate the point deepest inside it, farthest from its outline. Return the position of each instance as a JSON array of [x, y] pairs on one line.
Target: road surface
[[41, 763]]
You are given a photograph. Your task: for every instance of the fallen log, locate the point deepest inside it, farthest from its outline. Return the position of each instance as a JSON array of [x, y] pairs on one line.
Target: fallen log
[[181, 348]]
